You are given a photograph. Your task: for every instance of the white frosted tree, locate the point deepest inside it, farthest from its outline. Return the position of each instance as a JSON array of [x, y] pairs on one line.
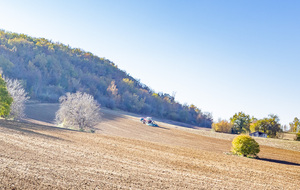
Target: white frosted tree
[[19, 95], [78, 110]]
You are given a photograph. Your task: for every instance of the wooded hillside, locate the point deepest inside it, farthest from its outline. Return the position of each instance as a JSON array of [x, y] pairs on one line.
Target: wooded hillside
[[49, 70]]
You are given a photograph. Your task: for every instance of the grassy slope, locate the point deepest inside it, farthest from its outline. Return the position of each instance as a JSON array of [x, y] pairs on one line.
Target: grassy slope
[[127, 154]]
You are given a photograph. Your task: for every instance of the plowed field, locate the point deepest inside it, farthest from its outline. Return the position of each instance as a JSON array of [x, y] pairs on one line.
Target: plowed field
[[125, 154]]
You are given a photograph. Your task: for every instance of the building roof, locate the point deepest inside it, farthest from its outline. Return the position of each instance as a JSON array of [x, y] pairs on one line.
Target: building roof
[[260, 133]]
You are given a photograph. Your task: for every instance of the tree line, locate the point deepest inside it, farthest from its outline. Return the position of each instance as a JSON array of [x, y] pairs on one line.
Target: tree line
[[49, 70], [243, 123]]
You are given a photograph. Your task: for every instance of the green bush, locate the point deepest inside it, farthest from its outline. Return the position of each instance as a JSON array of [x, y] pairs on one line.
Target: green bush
[[245, 145], [5, 99]]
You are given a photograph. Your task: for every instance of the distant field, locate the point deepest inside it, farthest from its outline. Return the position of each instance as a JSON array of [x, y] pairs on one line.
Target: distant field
[[289, 136], [124, 154], [126, 124]]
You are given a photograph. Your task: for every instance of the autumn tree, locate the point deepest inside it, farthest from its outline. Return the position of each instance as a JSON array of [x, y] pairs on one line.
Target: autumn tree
[[222, 126], [113, 94], [295, 125], [270, 126], [274, 125], [5, 99], [241, 123], [78, 110], [17, 92], [112, 89]]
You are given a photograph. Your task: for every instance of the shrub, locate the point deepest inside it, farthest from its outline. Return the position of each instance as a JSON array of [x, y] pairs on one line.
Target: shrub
[[92, 131], [222, 126], [245, 145], [298, 136]]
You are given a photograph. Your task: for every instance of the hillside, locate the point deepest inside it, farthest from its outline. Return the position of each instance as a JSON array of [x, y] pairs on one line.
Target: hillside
[[49, 70], [124, 154]]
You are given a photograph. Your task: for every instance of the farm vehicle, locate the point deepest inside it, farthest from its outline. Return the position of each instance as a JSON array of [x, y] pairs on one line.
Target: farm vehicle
[[148, 121]]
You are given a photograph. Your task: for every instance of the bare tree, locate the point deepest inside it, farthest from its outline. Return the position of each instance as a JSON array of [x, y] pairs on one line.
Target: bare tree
[[17, 92], [78, 110]]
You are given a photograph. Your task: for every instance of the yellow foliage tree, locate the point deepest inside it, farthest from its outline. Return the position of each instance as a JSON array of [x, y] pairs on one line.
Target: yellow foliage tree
[[295, 126], [128, 81], [222, 126]]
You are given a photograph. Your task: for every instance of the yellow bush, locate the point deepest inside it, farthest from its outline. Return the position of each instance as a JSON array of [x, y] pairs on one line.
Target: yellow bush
[[245, 145], [222, 126]]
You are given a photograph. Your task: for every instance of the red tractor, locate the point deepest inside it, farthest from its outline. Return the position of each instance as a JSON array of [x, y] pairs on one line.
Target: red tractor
[[148, 121]]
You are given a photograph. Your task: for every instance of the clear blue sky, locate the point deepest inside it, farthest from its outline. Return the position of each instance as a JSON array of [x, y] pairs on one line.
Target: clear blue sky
[[222, 56]]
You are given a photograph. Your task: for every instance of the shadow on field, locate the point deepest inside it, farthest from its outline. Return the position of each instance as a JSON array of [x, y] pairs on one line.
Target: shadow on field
[[41, 112], [158, 127], [279, 161], [107, 115], [28, 129]]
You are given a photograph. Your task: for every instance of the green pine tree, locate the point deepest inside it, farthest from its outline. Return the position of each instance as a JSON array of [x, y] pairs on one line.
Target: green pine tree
[[5, 99]]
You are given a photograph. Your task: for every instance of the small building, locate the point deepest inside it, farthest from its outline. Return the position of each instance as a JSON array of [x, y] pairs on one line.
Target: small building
[[258, 134]]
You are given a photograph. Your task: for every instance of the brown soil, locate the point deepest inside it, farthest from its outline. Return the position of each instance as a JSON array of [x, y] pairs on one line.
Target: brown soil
[[125, 154]]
